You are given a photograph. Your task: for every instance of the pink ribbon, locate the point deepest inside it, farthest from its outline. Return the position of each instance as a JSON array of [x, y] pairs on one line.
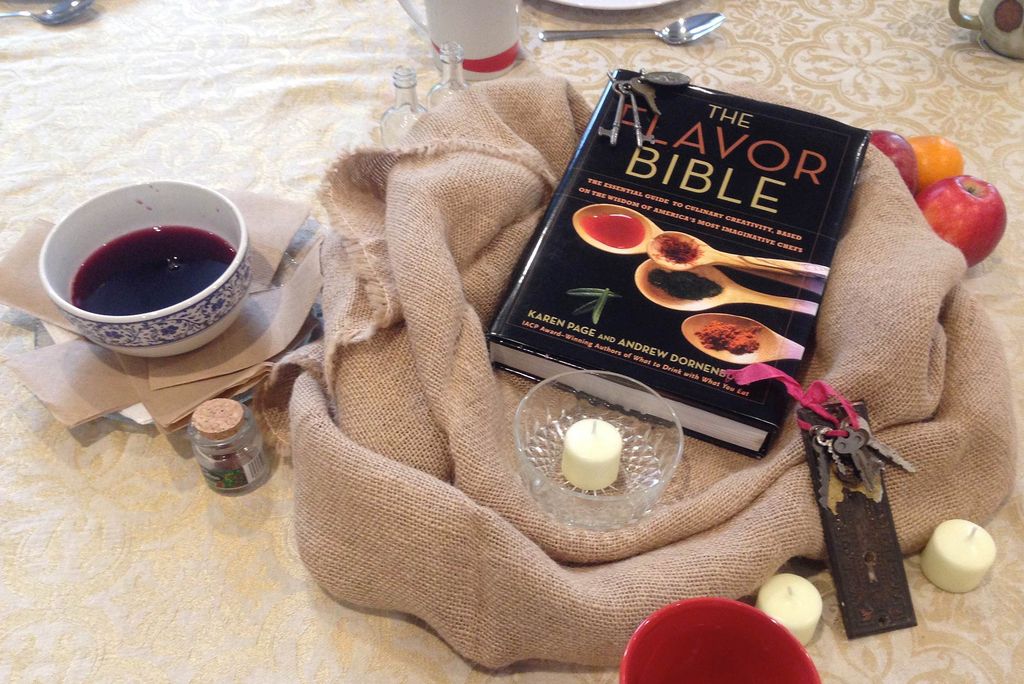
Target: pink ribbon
[[814, 398]]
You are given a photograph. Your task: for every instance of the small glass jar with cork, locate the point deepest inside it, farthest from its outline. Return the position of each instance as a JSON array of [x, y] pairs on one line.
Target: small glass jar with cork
[[228, 446]]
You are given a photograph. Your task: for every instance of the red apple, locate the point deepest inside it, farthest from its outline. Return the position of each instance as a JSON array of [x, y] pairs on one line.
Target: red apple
[[896, 148], [967, 212]]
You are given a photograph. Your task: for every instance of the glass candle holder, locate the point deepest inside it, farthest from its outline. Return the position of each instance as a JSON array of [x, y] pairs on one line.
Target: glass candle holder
[[651, 446]]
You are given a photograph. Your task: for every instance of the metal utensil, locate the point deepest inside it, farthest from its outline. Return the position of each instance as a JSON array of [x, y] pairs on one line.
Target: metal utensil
[[679, 32], [62, 12]]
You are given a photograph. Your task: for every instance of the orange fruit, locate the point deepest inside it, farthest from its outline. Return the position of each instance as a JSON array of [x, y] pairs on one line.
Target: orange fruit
[[937, 158]]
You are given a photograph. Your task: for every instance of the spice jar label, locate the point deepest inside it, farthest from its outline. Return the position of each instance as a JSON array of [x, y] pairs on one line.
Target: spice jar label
[[235, 478]]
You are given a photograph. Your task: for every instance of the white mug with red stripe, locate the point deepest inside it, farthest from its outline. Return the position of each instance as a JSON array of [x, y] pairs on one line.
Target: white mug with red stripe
[[487, 30]]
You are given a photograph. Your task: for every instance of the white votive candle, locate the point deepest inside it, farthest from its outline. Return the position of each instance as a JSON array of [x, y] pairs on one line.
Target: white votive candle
[[793, 602], [591, 453], [958, 556]]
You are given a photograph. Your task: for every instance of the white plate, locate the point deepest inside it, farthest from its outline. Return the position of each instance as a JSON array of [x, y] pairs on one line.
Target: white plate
[[612, 4]]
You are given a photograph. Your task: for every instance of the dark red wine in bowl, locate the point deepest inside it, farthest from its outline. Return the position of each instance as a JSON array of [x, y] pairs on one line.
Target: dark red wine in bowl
[[150, 269], [153, 269]]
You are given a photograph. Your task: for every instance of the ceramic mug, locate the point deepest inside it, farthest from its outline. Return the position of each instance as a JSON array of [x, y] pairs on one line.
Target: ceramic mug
[[1001, 23], [487, 30]]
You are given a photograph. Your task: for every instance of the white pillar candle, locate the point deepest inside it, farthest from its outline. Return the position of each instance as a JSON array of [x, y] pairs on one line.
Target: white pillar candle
[[958, 556], [792, 601], [590, 454]]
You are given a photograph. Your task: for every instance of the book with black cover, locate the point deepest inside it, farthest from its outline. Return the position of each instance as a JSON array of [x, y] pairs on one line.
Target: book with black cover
[[703, 250]]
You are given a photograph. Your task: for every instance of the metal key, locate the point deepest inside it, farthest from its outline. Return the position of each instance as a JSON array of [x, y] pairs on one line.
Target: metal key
[[884, 451], [865, 459], [851, 443], [638, 124], [824, 459], [869, 468], [613, 133], [853, 446], [646, 90], [825, 442]]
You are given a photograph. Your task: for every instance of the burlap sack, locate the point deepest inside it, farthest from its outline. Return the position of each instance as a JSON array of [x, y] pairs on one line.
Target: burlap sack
[[407, 496]]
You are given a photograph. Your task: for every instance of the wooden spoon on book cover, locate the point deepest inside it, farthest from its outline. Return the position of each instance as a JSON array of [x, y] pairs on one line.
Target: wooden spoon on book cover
[[731, 292], [802, 282], [614, 228], [675, 251], [770, 345]]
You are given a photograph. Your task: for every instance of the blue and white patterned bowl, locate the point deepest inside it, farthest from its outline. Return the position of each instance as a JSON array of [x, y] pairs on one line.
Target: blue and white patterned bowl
[[175, 329]]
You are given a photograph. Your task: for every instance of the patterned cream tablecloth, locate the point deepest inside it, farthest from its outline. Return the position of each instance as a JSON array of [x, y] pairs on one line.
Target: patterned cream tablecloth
[[118, 564]]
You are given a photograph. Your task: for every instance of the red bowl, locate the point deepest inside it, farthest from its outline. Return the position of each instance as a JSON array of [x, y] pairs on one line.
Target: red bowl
[[711, 641]]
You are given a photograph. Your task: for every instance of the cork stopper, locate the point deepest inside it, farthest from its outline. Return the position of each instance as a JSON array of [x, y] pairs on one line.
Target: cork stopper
[[218, 418]]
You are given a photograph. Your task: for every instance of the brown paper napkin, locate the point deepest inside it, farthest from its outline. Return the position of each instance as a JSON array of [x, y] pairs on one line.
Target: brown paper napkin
[[81, 380], [171, 407], [94, 381], [266, 325], [19, 278], [272, 223]]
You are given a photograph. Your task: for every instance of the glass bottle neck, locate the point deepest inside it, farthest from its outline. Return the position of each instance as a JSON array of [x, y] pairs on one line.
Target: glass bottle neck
[[451, 73], [404, 80], [405, 96]]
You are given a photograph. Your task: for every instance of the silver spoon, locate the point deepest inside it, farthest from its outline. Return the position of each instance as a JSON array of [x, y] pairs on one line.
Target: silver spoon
[[678, 32], [62, 12]]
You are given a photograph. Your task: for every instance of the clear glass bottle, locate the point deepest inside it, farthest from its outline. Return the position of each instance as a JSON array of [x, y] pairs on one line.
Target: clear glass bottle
[[452, 79], [400, 117], [228, 446]]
